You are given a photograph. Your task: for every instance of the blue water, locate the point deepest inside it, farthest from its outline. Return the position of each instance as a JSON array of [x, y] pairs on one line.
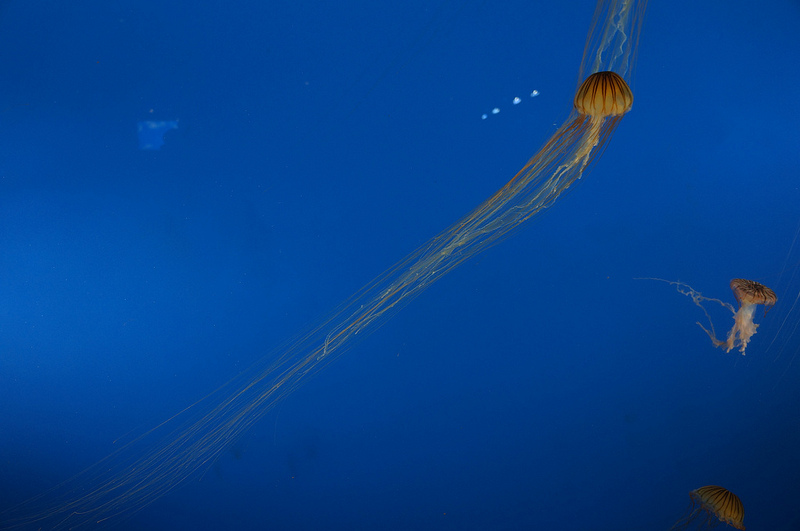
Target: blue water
[[537, 386]]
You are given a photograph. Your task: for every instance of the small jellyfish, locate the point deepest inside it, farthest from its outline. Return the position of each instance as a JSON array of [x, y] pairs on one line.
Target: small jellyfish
[[515, 101], [750, 294]]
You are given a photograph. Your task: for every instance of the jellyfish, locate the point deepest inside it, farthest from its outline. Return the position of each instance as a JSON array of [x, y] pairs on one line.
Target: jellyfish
[[603, 95], [709, 506], [139, 473], [748, 293]]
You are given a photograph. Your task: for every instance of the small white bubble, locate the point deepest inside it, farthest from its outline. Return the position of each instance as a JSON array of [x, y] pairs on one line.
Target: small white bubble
[[516, 100], [484, 116], [495, 110], [534, 93]]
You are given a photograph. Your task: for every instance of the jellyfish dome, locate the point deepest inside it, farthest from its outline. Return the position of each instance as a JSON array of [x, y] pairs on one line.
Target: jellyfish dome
[[603, 94], [711, 505]]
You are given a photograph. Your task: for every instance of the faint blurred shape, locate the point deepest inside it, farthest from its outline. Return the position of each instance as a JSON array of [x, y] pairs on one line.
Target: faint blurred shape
[[151, 134]]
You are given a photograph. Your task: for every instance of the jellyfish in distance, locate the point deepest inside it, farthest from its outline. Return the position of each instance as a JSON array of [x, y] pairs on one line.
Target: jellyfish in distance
[[748, 293], [709, 506]]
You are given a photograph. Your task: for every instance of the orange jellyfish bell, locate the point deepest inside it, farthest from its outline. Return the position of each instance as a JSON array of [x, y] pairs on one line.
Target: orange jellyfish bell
[[722, 503], [752, 292], [711, 505], [603, 94]]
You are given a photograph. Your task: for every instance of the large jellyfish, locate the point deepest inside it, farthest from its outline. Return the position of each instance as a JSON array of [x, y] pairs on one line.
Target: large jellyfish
[[603, 95], [749, 294], [709, 506], [134, 477]]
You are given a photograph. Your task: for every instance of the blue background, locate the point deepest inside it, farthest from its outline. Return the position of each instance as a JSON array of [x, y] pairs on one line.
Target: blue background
[[537, 386]]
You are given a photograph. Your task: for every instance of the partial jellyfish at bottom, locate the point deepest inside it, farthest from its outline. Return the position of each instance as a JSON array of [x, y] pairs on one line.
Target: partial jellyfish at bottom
[[711, 505]]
